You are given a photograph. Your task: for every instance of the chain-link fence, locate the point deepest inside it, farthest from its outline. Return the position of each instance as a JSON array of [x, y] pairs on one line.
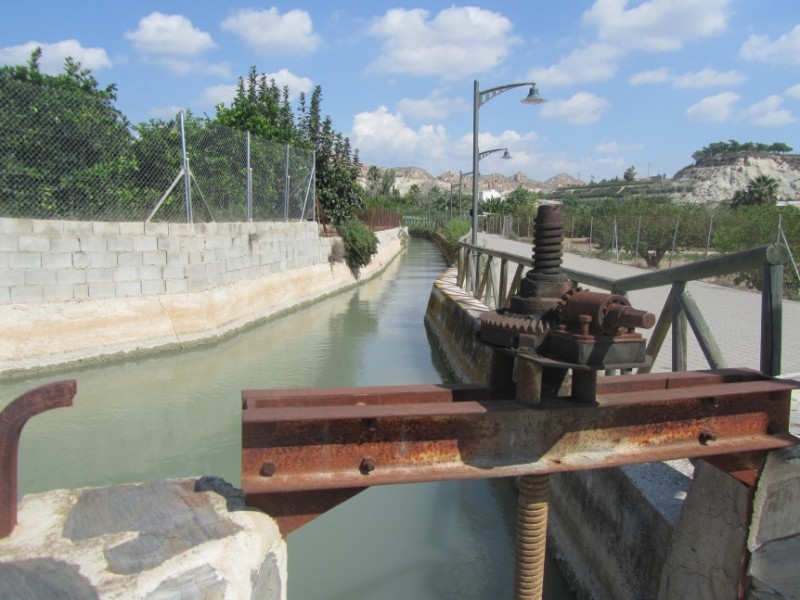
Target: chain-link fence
[[74, 155]]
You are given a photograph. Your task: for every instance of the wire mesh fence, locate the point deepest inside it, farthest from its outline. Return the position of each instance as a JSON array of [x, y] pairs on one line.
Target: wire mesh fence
[[74, 155]]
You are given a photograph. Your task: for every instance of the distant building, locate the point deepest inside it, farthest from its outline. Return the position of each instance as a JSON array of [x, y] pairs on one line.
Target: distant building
[[489, 195]]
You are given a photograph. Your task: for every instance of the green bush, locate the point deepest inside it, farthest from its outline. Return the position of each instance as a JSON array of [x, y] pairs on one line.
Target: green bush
[[360, 244], [454, 230]]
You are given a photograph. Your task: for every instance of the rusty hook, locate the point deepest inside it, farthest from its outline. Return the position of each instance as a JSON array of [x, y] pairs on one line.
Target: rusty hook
[[12, 420]]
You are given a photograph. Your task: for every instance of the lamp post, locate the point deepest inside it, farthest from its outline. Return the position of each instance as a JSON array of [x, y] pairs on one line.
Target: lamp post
[[479, 98], [481, 156]]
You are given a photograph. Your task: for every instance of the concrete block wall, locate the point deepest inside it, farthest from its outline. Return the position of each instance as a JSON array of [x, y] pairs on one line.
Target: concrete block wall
[[57, 261]]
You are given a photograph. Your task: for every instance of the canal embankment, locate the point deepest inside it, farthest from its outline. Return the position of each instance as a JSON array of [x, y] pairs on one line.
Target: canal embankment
[[80, 291]]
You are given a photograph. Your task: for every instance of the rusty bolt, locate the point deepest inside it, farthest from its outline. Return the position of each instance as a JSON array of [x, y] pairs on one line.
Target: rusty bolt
[[705, 437], [367, 465], [268, 469]]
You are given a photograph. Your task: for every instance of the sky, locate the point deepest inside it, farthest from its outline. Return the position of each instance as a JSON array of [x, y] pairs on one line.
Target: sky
[[642, 83]]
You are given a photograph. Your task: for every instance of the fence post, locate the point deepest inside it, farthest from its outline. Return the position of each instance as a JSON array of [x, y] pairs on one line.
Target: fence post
[[249, 190], [591, 232], [708, 239], [286, 186], [674, 238], [571, 237], [638, 236], [187, 180]]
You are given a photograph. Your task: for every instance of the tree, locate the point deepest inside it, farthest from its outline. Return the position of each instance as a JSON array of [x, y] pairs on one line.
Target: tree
[[264, 109], [65, 149], [337, 166], [261, 108], [761, 191], [520, 197], [751, 226], [731, 147], [645, 225], [414, 194], [380, 182], [630, 174]]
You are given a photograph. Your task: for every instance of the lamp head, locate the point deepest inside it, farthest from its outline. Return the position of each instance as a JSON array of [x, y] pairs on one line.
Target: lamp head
[[533, 96], [506, 155]]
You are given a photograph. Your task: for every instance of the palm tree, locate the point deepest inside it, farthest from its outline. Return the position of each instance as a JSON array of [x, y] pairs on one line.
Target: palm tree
[[761, 190]]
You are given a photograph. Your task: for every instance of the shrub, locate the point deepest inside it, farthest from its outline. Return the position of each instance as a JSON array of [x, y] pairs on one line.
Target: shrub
[[360, 244]]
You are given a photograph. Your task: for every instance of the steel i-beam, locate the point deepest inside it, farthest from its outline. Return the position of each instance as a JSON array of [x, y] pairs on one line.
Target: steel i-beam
[[305, 451]]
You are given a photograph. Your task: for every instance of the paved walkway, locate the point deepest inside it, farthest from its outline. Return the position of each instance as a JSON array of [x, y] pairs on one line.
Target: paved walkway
[[733, 315]]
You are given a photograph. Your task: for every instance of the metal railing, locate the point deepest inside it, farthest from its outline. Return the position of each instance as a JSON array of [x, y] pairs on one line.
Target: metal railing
[[484, 273]]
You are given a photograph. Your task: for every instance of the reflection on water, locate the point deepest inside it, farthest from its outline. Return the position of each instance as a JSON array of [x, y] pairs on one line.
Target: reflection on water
[[178, 414]]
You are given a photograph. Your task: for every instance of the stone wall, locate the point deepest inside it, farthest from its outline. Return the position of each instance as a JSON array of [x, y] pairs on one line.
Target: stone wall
[[57, 261], [80, 291]]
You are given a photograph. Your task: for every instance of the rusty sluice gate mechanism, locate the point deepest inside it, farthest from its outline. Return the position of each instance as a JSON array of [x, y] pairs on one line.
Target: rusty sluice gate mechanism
[[544, 411]]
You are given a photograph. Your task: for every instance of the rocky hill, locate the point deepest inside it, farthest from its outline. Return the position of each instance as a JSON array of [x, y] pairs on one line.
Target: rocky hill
[[711, 181], [405, 177], [717, 180]]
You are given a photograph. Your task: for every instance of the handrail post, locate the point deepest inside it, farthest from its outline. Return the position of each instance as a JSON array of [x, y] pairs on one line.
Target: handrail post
[[771, 319], [679, 354]]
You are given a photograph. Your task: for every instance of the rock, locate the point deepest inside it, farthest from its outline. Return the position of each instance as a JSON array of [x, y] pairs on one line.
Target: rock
[[168, 539]]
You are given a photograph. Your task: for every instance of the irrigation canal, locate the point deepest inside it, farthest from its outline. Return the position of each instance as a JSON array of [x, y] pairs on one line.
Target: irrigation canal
[[177, 414]]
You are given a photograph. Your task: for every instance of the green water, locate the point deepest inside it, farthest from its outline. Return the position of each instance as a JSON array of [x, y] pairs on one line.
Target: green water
[[178, 414]]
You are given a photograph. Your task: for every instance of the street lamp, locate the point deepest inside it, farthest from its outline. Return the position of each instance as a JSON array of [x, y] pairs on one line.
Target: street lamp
[[481, 156], [480, 98]]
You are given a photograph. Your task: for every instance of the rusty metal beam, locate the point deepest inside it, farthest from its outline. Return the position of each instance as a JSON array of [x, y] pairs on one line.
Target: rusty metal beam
[[431, 433], [12, 420]]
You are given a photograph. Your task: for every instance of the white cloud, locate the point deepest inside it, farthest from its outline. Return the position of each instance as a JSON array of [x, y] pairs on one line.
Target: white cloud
[[652, 25], [217, 94], [435, 106], [295, 83], [270, 32], [703, 78], [657, 25], [581, 109], [165, 112], [661, 75], [716, 108], [181, 66], [794, 91], [709, 78], [169, 35], [597, 62], [768, 113], [53, 55], [383, 138], [616, 147], [783, 51], [456, 42]]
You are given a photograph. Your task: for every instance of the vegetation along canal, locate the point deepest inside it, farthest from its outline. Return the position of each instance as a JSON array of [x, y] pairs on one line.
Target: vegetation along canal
[[178, 415]]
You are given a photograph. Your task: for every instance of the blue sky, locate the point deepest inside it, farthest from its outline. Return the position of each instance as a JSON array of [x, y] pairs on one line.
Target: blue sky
[[628, 82]]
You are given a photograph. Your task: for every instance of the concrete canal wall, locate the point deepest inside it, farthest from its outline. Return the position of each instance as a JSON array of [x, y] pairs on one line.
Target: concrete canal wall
[[75, 291], [661, 530]]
